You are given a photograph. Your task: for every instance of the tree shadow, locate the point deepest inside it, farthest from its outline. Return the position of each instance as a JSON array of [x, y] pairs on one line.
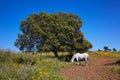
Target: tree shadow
[[66, 58], [114, 63]]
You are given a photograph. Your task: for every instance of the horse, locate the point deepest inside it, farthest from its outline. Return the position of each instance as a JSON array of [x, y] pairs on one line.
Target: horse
[[80, 57]]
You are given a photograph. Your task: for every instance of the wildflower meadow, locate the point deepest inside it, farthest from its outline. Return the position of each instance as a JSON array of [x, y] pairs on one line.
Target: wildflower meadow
[[20, 66]]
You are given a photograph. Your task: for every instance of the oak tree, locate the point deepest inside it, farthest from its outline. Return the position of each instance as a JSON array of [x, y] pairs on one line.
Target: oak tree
[[56, 32]]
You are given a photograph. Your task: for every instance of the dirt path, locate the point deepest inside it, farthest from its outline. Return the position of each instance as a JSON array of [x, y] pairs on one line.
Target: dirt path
[[98, 69]]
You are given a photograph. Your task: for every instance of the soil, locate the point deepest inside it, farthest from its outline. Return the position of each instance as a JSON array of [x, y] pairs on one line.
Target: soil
[[98, 69]]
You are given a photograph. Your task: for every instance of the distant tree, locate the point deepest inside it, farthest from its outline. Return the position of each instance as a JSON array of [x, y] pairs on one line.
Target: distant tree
[[99, 50], [114, 50], [52, 32], [106, 49]]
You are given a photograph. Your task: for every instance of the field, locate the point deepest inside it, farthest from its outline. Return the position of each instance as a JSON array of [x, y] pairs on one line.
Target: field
[[19, 66], [43, 66]]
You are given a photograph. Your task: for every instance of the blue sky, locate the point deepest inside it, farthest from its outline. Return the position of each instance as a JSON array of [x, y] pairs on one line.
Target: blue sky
[[101, 19]]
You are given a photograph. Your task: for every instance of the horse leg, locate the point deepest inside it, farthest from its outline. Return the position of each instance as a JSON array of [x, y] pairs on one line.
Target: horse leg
[[78, 63], [86, 61]]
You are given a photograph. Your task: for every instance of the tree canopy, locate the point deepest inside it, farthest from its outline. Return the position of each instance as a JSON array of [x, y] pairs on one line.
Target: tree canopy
[[106, 48], [114, 50], [52, 32]]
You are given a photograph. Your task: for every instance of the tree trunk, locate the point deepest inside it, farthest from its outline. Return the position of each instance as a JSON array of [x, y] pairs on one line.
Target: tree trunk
[[56, 55]]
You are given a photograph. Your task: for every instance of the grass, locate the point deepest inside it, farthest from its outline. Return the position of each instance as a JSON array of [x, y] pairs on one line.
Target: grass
[[115, 68], [21, 66]]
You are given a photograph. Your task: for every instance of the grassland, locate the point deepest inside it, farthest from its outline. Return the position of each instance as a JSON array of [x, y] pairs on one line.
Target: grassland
[[19, 66], [40, 66]]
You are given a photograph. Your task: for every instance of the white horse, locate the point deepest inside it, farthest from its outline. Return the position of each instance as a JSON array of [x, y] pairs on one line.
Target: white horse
[[80, 57]]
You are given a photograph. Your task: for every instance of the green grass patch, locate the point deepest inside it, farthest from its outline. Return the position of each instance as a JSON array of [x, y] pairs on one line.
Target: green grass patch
[[19, 66], [115, 68]]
